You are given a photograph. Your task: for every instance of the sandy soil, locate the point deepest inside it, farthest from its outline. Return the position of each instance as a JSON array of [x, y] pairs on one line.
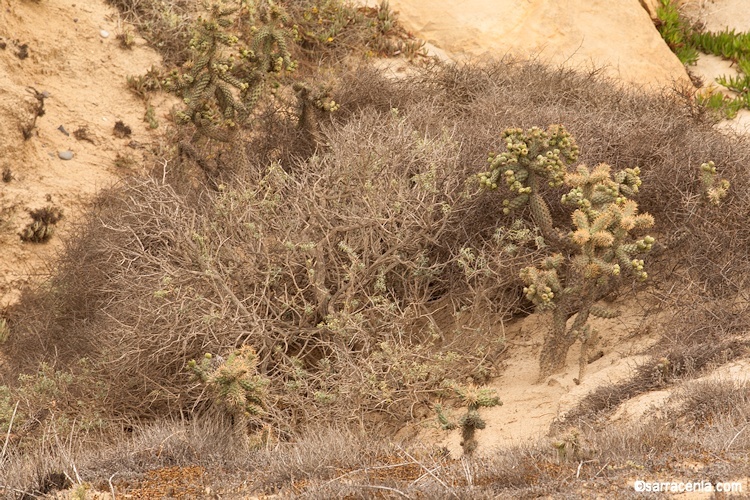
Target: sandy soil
[[528, 406], [84, 75]]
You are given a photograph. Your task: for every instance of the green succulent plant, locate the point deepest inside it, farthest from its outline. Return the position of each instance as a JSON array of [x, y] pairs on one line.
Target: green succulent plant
[[688, 40], [474, 398]]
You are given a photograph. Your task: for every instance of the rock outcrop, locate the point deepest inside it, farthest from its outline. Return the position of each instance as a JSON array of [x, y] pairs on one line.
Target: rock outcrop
[[619, 37]]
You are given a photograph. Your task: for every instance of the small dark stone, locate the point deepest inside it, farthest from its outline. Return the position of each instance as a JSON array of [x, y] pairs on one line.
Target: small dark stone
[[62, 129]]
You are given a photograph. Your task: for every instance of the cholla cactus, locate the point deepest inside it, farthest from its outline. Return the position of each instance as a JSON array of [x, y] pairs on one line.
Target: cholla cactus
[[715, 189], [592, 254], [531, 158], [474, 398], [42, 226], [224, 80], [235, 385], [312, 104]]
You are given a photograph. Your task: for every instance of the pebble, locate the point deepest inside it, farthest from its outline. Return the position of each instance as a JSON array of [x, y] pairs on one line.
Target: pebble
[[65, 155], [62, 129], [104, 33]]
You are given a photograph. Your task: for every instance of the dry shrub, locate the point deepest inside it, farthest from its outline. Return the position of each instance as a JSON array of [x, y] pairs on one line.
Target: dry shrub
[[331, 272], [701, 267], [663, 135], [166, 25], [704, 403]]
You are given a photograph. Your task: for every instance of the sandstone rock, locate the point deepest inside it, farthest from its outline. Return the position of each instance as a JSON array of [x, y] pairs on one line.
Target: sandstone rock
[[651, 7], [618, 36]]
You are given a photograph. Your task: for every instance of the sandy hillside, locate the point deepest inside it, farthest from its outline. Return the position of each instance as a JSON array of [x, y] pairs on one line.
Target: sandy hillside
[[57, 48]]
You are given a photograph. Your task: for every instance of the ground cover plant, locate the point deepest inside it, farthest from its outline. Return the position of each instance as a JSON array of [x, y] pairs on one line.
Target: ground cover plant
[[327, 284], [687, 40]]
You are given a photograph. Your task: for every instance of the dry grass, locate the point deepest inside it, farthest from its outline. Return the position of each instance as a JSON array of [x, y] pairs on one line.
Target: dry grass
[[338, 463]]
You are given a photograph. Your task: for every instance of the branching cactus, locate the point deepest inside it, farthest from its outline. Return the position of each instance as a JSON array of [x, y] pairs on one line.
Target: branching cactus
[[474, 398], [592, 254], [235, 385], [224, 80]]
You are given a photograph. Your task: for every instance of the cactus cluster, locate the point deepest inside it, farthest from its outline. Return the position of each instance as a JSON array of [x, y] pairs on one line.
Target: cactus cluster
[[592, 252], [226, 77], [599, 247], [235, 384], [531, 158], [42, 226], [605, 220]]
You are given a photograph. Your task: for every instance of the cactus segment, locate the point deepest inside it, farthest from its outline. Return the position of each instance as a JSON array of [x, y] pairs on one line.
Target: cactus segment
[[223, 82], [604, 312]]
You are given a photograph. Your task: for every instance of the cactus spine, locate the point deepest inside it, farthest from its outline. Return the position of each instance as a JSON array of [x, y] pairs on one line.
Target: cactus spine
[[593, 253]]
